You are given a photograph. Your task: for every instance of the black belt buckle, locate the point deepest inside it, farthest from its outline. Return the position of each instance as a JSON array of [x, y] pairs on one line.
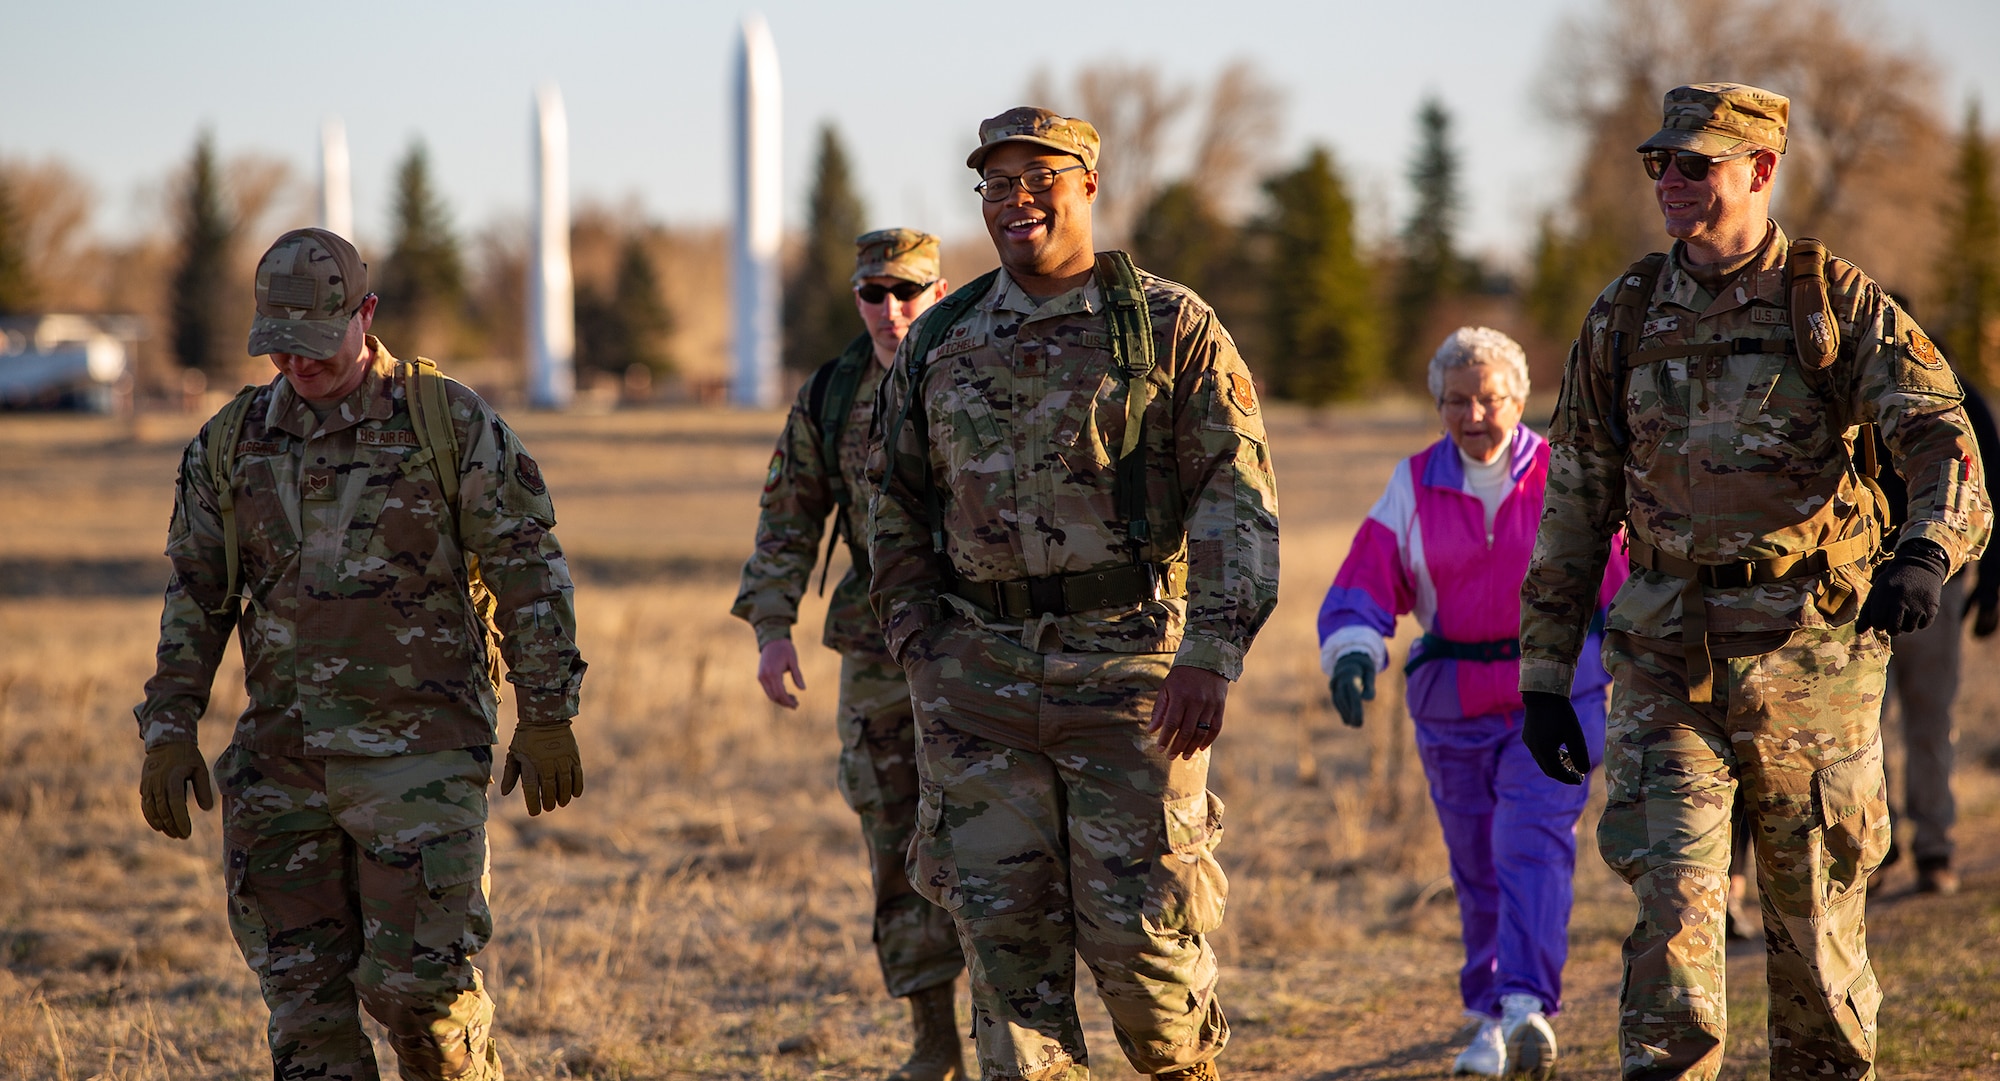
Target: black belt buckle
[[1046, 595], [1732, 575]]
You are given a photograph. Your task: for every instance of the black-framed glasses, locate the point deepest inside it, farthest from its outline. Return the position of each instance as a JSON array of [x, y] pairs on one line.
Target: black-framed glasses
[[1034, 181], [1691, 165], [874, 292]]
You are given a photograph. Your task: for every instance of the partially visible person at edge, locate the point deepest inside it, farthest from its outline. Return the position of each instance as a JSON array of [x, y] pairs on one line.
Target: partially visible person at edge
[[354, 798], [896, 278], [1748, 648], [1450, 540], [1070, 636]]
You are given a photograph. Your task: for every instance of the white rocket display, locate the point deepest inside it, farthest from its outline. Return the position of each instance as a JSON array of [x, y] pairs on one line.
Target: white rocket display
[[551, 290], [336, 196], [759, 219]]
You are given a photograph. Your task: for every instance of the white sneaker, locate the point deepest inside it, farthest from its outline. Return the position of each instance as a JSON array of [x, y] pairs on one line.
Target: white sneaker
[[1486, 1055], [1531, 1043]]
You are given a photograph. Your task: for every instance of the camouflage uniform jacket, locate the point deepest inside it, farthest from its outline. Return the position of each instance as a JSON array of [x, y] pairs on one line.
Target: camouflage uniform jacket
[[357, 633], [1733, 459], [797, 501], [1027, 413]]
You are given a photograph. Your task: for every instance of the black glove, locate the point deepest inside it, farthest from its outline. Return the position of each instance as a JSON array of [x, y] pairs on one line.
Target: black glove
[[1985, 602], [1554, 736], [1904, 597], [1353, 683]]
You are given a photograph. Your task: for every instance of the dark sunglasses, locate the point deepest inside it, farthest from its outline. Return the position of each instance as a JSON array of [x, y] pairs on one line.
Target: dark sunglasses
[[1691, 165], [872, 293]]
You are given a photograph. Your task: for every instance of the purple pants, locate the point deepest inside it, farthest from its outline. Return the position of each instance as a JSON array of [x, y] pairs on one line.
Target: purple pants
[[1511, 832]]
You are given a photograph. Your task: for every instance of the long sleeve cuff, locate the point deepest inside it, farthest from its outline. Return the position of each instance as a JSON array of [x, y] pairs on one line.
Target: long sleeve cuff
[[1949, 540], [545, 707], [1551, 677], [1217, 655], [163, 728], [772, 630]]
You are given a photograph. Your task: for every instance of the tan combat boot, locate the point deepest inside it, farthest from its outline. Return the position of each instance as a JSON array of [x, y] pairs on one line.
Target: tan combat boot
[[1200, 1071], [935, 1054]]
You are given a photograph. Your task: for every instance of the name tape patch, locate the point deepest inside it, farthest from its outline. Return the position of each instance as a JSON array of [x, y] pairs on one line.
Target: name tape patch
[[373, 437]]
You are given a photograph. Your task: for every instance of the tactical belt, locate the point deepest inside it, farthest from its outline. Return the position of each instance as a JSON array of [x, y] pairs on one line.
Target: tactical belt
[[1068, 594], [1737, 575], [1436, 648]]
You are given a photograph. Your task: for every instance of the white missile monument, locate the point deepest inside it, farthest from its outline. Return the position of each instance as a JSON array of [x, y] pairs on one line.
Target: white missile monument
[[759, 219], [551, 289], [336, 195]]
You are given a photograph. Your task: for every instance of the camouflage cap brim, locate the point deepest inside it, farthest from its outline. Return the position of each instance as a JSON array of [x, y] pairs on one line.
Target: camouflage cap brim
[[315, 338], [1708, 143], [978, 157], [892, 268]]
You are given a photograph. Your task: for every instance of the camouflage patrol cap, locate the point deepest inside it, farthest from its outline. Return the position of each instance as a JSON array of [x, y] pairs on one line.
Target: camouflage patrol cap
[[309, 284], [1027, 124], [1716, 118], [896, 253]]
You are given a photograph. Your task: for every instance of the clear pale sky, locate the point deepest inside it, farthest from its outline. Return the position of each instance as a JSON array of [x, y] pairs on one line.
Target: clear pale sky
[[119, 88]]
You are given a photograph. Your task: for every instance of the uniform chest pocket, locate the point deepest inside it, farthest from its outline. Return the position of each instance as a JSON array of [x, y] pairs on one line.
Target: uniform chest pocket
[[1783, 418], [964, 423], [1091, 423], [1657, 399]]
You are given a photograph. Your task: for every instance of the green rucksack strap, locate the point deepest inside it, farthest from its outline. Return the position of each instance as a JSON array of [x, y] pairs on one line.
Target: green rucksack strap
[[830, 400], [427, 392], [1132, 351], [223, 432], [931, 332]]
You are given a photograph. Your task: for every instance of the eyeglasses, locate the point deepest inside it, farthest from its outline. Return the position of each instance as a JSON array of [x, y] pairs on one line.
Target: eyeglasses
[[1457, 406], [872, 292], [1035, 181], [1691, 165]]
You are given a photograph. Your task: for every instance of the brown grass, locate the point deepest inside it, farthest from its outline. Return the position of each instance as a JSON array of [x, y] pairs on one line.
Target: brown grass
[[707, 899]]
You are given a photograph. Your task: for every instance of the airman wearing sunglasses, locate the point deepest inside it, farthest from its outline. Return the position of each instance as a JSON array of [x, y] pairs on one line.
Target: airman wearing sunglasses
[[1076, 543], [1712, 405], [817, 475]]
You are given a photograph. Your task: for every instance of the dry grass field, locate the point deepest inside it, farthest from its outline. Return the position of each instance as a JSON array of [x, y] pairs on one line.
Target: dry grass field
[[706, 901]]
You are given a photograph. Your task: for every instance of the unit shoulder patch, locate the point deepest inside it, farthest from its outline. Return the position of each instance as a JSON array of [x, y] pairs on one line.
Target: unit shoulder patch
[[530, 474], [1243, 394], [775, 472], [1923, 351]]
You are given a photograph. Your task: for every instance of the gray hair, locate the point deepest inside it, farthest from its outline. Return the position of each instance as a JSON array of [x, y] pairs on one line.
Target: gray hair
[[1467, 347]]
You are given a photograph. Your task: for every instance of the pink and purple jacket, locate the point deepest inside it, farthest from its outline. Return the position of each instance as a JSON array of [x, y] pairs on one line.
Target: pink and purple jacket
[[1424, 549]]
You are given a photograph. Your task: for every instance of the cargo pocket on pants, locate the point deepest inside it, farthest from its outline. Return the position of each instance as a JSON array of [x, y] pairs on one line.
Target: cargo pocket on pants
[[1188, 889], [932, 869], [1851, 820], [246, 919], [856, 775], [452, 919]]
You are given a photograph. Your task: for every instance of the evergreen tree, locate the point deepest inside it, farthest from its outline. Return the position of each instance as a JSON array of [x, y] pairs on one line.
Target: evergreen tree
[[630, 324], [422, 283], [1323, 341], [1969, 273], [1431, 267], [1180, 237], [819, 312], [197, 294]]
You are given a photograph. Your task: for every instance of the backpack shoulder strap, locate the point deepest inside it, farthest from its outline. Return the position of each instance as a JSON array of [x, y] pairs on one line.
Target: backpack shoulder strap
[[1132, 350], [930, 334], [1628, 314], [831, 399], [430, 414], [223, 433]]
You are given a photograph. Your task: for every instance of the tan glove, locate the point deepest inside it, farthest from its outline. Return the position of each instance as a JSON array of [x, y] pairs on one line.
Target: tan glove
[[545, 759], [163, 785]]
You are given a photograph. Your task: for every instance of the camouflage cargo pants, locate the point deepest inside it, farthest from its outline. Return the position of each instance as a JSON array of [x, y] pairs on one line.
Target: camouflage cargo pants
[[1797, 729], [914, 939], [363, 881], [1052, 827]]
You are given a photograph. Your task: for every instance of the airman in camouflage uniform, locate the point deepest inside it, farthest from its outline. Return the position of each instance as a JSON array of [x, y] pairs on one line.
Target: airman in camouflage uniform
[[1069, 661], [896, 277], [1748, 648], [354, 789]]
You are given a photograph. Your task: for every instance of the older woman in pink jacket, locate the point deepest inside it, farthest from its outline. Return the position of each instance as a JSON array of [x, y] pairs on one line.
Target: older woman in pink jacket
[[1450, 542]]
